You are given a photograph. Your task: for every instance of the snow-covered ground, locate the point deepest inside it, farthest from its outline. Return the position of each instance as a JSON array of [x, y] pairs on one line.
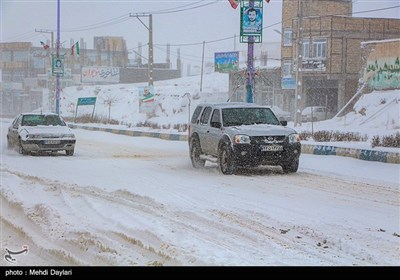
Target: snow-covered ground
[[124, 200]]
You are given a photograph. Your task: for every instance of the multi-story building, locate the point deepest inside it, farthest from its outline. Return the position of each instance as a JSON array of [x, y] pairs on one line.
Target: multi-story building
[[324, 36], [27, 81], [19, 61]]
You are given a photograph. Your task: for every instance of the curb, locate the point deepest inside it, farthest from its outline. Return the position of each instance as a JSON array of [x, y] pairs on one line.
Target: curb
[[362, 154]]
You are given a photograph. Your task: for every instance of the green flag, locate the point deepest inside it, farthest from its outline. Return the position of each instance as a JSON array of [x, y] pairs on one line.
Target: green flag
[[75, 49]]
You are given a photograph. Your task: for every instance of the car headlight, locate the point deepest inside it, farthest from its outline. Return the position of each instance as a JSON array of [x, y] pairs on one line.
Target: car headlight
[[32, 136], [294, 138], [241, 139], [68, 136]]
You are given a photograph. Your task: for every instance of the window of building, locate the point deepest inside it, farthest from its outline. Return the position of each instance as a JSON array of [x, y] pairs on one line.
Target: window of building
[[5, 56], [287, 68], [21, 56], [306, 49], [287, 37], [319, 48]]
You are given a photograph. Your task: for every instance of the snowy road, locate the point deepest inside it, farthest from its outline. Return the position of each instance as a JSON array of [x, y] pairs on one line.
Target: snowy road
[[137, 201]]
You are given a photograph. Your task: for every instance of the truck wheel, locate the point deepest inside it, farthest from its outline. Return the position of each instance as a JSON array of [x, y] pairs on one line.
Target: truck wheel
[[21, 150], [226, 161], [195, 152]]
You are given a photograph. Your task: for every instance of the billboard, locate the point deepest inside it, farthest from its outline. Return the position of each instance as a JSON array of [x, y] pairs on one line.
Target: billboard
[[226, 61], [251, 21], [382, 70], [146, 99], [57, 65], [100, 74]]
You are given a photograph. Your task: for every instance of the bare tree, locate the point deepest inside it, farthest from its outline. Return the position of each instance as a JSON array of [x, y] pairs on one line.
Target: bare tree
[[109, 100]]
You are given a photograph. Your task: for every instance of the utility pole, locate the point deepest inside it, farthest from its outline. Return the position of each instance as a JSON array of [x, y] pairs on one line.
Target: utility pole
[[250, 64], [47, 31], [150, 58], [150, 65], [202, 65], [299, 70], [51, 82], [57, 55]]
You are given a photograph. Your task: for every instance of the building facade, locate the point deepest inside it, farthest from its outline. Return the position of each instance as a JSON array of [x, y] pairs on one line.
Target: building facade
[[27, 80], [328, 39]]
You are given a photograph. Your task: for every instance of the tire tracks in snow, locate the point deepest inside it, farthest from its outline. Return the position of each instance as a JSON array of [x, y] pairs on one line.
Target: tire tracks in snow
[[93, 246], [140, 236]]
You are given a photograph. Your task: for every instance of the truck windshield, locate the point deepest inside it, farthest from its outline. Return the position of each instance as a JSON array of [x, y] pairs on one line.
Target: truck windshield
[[248, 116]]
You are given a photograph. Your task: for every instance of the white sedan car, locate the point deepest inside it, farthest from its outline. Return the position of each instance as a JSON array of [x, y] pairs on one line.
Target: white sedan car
[[40, 132]]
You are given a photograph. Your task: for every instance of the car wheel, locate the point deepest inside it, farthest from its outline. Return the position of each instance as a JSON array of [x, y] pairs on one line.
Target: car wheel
[[69, 152], [226, 161], [290, 167], [21, 150], [195, 152]]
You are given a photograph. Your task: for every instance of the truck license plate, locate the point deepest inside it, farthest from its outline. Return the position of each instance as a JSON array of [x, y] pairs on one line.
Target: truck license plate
[[271, 148], [51, 142]]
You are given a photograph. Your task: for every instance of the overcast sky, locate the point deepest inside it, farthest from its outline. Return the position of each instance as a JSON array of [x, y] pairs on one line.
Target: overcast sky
[[198, 21]]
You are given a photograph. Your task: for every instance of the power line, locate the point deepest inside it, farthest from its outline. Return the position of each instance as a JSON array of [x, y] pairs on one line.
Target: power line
[[23, 35], [169, 9], [126, 17], [212, 41], [182, 10], [109, 22]]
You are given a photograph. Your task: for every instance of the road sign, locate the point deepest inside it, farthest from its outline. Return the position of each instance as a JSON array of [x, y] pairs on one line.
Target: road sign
[[87, 101]]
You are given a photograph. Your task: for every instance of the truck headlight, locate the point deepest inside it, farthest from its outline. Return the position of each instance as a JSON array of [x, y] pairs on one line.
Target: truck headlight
[[241, 139], [294, 138]]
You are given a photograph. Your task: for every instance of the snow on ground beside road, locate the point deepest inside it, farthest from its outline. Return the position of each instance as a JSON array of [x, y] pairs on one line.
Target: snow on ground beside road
[[172, 104], [376, 113]]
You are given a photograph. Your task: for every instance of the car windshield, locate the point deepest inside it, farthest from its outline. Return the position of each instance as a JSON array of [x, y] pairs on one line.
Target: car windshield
[[34, 120], [248, 116]]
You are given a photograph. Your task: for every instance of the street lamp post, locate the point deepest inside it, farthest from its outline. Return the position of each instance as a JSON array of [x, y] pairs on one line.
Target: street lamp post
[[57, 55], [299, 62], [50, 83]]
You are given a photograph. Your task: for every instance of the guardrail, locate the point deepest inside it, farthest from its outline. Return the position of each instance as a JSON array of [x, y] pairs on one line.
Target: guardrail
[[362, 154]]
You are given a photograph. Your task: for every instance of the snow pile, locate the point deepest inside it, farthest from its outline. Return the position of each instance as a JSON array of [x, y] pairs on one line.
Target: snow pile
[[375, 113], [379, 109], [171, 99]]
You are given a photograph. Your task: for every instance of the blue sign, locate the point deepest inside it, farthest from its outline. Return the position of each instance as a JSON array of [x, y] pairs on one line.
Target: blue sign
[[226, 61], [87, 101], [288, 83]]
